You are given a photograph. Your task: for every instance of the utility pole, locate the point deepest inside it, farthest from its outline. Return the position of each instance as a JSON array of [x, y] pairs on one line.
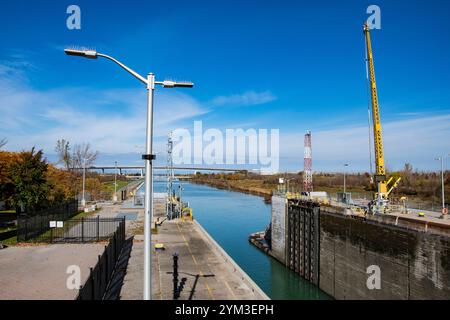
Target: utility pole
[[169, 176], [345, 165], [180, 189], [115, 182], [83, 199], [148, 157], [444, 209]]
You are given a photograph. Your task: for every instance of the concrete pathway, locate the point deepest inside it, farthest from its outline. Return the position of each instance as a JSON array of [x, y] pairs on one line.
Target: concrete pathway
[[39, 272], [208, 272]]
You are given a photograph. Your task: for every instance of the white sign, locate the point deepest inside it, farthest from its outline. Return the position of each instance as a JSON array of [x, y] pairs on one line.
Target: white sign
[[59, 224], [52, 224]]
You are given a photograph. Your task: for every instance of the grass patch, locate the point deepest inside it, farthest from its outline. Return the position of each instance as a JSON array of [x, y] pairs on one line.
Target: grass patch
[[82, 214], [109, 186], [10, 241], [7, 211], [6, 229]]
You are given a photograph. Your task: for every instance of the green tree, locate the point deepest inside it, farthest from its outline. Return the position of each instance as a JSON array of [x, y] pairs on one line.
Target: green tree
[[28, 176]]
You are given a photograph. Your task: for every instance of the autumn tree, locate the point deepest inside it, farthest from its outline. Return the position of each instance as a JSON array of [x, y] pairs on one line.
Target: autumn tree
[[28, 176], [83, 154], [6, 183], [63, 151], [3, 142], [63, 184]]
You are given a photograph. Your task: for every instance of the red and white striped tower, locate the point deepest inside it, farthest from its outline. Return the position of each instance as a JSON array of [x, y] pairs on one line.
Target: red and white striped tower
[[307, 171]]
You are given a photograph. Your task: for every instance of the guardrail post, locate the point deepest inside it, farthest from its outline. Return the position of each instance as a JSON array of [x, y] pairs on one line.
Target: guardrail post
[[91, 277], [123, 230], [107, 261], [100, 274], [114, 246], [82, 229], [26, 230], [175, 276], [98, 228]]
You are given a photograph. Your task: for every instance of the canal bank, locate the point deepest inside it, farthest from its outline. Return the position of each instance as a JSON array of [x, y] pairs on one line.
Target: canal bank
[[229, 217]]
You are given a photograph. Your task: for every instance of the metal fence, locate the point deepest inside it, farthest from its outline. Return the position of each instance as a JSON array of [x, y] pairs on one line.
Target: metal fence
[[80, 230], [100, 276], [34, 224]]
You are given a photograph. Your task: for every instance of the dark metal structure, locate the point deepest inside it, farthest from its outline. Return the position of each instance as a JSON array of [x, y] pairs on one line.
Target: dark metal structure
[[303, 239], [34, 224], [80, 231], [100, 276]]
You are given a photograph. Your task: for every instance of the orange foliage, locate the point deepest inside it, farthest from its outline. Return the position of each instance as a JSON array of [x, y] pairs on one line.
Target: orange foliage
[[6, 159], [63, 184]]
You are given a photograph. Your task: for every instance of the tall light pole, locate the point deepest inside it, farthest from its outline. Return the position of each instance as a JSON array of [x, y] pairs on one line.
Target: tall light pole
[[180, 189], [148, 157], [444, 210], [345, 165], [83, 199], [115, 182]]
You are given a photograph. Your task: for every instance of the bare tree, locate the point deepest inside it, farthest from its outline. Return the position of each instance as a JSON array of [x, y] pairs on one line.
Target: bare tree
[[83, 153], [63, 150], [3, 142]]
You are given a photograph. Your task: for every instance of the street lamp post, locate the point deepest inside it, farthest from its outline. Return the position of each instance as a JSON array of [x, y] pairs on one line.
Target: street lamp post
[[345, 165], [115, 182], [441, 159], [148, 157], [83, 199], [180, 212]]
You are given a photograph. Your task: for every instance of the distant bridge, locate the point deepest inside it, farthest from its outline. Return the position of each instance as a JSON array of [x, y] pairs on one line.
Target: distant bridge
[[142, 169]]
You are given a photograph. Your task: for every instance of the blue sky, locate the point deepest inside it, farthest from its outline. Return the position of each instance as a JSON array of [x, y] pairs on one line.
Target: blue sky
[[293, 66]]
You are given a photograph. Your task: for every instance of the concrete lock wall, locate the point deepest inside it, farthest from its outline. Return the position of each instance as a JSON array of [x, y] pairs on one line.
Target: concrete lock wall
[[412, 265], [279, 228]]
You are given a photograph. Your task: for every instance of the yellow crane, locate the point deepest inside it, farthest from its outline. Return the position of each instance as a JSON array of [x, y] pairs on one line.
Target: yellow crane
[[384, 186]]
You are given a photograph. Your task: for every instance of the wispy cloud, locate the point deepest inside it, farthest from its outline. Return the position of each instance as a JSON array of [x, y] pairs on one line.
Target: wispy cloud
[[112, 120], [249, 98]]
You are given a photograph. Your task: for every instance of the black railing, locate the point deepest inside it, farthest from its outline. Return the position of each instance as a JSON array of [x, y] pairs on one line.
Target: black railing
[[100, 276], [34, 224], [79, 230]]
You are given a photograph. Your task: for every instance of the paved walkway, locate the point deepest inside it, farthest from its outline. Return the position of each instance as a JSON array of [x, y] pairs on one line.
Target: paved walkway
[[39, 272], [208, 272]]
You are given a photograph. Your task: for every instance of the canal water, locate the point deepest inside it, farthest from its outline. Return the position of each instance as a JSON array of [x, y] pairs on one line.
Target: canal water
[[230, 217]]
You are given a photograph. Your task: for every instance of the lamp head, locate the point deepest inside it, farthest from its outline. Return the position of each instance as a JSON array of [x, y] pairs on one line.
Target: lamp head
[[176, 84], [90, 54]]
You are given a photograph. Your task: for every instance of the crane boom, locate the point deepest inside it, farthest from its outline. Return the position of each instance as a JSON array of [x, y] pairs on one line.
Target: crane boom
[[378, 139], [383, 190]]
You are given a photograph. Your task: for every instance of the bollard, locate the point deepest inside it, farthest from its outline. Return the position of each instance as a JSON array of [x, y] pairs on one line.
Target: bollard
[[98, 228], [175, 276], [82, 230]]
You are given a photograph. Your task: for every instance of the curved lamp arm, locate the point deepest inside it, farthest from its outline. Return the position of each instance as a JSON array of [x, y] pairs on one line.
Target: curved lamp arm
[[92, 54], [132, 72]]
